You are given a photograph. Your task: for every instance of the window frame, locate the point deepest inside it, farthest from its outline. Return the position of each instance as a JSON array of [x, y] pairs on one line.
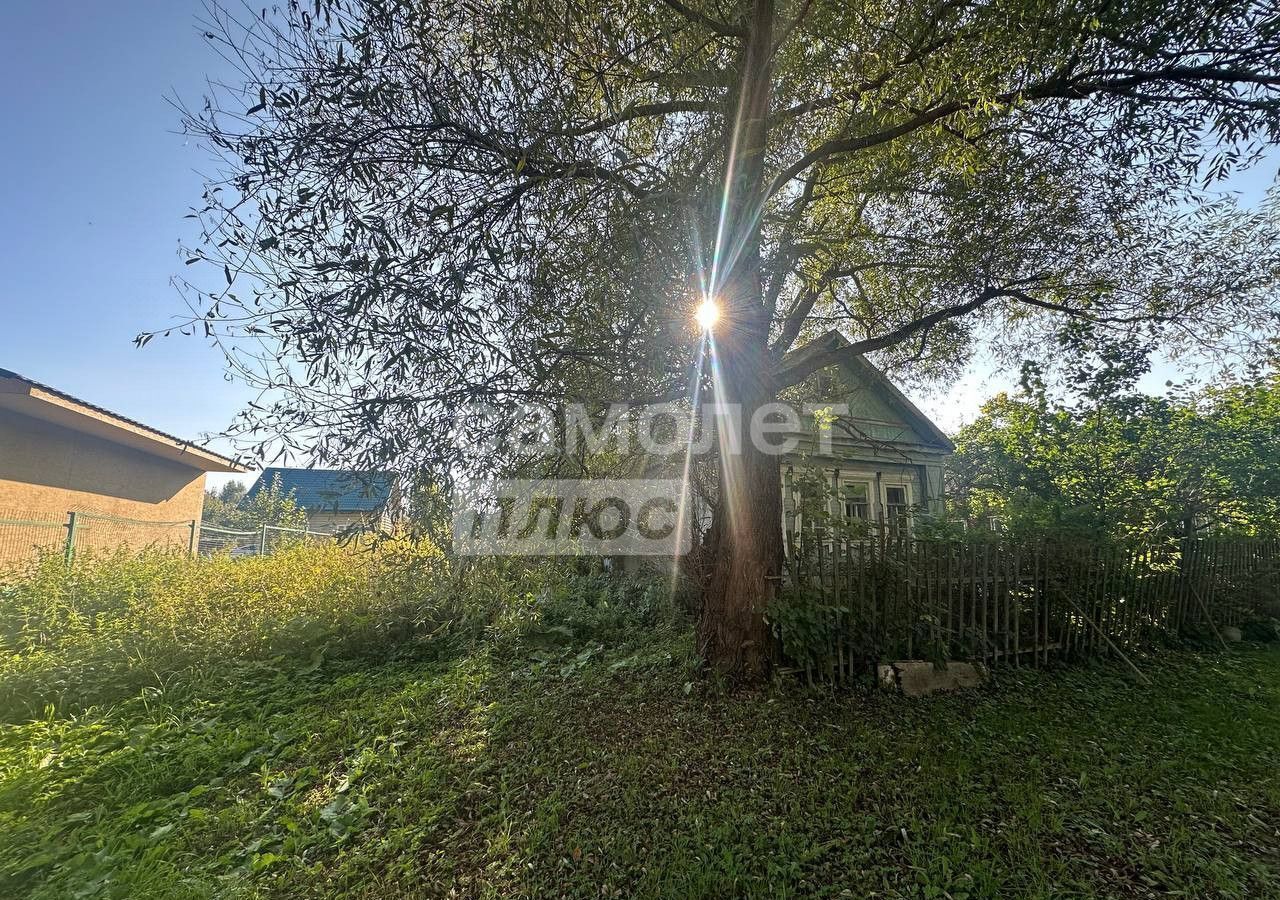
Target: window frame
[[908, 504], [868, 485]]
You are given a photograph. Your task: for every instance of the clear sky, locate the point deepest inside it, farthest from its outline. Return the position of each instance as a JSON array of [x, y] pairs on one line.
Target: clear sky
[[96, 185]]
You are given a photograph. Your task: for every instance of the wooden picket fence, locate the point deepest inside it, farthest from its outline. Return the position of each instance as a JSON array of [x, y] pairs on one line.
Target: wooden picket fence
[[1016, 602]]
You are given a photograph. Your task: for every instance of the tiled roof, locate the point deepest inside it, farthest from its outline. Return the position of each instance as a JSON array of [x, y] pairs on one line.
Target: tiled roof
[[331, 490]]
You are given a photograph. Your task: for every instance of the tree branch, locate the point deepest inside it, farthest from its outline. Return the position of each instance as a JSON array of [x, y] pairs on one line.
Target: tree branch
[[637, 111], [795, 317], [721, 28], [791, 27], [1057, 87], [787, 375]]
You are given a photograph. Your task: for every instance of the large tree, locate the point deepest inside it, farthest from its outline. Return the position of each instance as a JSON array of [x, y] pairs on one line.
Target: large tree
[[423, 203], [1095, 456]]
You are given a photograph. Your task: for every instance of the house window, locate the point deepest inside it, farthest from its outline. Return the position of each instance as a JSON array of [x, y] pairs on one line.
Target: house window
[[897, 506], [857, 501], [826, 386]]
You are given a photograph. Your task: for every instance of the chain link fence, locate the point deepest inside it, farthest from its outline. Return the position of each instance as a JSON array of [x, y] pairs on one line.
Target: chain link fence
[[214, 540], [260, 542], [25, 535], [105, 534]]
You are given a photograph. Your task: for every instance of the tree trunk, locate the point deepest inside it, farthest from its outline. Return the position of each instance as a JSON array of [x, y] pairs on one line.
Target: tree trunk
[[747, 532]]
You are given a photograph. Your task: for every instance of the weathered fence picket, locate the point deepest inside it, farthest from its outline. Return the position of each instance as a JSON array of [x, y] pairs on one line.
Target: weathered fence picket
[[886, 594]]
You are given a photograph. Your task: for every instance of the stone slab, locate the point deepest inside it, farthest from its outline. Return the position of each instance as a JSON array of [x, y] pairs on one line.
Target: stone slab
[[916, 677]]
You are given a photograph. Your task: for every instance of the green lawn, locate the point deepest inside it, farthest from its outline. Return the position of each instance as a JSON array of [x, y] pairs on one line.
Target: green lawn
[[617, 774]]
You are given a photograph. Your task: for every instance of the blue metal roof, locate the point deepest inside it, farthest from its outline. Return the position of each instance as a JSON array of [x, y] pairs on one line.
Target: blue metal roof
[[331, 490]]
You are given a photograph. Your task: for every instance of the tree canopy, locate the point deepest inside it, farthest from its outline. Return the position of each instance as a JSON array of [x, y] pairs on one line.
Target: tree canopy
[[423, 204], [426, 202], [1098, 457]]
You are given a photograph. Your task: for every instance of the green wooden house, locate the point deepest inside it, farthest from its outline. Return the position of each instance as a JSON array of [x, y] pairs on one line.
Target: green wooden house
[[879, 458]]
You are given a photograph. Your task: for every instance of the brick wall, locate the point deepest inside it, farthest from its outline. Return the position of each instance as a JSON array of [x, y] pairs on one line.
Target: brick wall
[[48, 468]]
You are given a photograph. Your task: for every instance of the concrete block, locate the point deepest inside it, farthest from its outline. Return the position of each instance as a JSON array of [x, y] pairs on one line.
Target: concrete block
[[916, 677]]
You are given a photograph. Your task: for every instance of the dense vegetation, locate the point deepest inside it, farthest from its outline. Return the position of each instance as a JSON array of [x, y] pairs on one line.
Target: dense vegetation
[[1097, 456], [322, 723], [227, 508]]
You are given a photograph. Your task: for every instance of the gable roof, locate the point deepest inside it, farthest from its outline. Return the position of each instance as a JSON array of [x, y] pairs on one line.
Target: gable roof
[[876, 380], [39, 401], [328, 490]]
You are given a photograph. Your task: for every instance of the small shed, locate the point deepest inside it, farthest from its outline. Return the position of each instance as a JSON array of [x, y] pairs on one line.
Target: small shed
[[335, 499]]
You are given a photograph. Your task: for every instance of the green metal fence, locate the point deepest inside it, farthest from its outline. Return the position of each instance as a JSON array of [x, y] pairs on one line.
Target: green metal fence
[[215, 540], [25, 535], [104, 534], [261, 541]]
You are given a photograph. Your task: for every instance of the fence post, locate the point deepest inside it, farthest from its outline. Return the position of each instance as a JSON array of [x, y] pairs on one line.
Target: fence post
[[262, 542], [70, 549], [191, 543]]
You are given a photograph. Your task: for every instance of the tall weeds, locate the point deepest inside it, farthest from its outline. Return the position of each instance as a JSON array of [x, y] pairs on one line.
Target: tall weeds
[[111, 626]]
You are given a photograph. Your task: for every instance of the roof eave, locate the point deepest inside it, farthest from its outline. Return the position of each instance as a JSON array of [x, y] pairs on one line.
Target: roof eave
[[41, 402]]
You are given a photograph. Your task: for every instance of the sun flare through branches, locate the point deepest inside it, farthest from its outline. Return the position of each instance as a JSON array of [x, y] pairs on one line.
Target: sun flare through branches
[[707, 314]]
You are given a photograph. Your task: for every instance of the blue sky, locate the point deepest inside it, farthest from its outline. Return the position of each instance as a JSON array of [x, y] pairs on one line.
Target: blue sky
[[98, 182]]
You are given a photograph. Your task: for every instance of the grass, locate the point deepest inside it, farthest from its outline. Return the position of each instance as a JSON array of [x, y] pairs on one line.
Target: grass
[[583, 758]]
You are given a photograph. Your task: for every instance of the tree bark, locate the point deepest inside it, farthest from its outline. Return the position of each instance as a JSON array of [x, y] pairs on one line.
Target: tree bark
[[747, 532]]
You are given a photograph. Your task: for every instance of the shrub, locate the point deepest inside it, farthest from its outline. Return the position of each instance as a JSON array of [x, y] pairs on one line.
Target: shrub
[[600, 606], [112, 625], [1264, 630], [270, 505], [108, 624]]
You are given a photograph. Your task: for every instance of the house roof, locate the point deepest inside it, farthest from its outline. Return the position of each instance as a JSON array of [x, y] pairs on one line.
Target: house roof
[[328, 490], [40, 401], [850, 358]]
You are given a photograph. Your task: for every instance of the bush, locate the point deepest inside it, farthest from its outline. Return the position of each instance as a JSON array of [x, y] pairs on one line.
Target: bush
[[110, 626], [1264, 630], [85, 633]]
